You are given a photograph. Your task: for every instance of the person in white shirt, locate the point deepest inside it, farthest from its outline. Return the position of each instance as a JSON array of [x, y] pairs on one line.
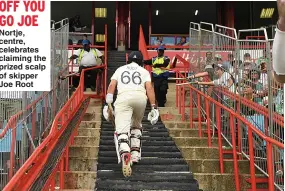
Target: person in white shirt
[[279, 45], [134, 86], [88, 58], [225, 79]]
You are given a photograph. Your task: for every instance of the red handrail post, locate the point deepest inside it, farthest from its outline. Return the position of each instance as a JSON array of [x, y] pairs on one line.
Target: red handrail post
[[199, 115], [270, 166], [179, 101], [232, 129], [218, 119], [207, 105], [191, 108], [61, 180], [67, 157], [176, 89], [251, 159], [183, 103], [239, 133]]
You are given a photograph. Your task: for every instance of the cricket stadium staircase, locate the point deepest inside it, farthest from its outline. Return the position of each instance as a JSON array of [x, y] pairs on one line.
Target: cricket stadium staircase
[[183, 151]]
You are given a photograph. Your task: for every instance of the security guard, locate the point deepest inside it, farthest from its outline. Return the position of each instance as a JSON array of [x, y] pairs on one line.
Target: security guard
[[160, 73], [88, 58]]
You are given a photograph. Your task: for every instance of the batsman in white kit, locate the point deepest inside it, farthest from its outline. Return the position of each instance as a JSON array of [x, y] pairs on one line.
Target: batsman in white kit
[[134, 86]]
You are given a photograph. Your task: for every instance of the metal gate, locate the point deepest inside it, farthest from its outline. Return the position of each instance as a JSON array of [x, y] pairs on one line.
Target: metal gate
[[25, 117]]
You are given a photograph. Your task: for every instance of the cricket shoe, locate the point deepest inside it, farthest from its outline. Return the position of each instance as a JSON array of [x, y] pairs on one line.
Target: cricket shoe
[[135, 158], [126, 164]]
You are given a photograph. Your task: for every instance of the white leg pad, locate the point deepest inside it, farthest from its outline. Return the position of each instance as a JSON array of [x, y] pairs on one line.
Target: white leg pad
[[136, 145], [122, 144]]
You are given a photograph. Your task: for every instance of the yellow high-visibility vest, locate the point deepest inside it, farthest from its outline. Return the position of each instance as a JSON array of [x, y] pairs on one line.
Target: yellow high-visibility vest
[[159, 61], [82, 52]]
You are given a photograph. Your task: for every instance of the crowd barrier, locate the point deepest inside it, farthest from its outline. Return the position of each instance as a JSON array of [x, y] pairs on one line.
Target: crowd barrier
[[51, 157], [26, 117], [246, 87], [230, 130]]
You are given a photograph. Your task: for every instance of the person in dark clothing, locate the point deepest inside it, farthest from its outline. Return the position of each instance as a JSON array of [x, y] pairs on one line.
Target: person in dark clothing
[[88, 58], [84, 38], [160, 73], [71, 24]]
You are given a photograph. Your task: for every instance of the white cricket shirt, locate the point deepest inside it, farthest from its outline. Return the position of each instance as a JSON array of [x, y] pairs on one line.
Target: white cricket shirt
[[131, 78]]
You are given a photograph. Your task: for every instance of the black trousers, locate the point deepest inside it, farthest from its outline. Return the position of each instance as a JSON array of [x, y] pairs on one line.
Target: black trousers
[[160, 90], [90, 77]]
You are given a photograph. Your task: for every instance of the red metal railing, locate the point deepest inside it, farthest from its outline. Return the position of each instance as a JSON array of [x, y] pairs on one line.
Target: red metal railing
[[27, 174], [204, 102], [12, 126], [195, 97]]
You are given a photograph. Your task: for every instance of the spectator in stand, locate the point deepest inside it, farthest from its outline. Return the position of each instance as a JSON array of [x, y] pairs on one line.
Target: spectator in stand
[[225, 79], [75, 24], [256, 87], [209, 58], [71, 25], [219, 60], [263, 76], [159, 41], [245, 67], [84, 38], [263, 58], [70, 42], [279, 45], [229, 62], [181, 43], [246, 56]]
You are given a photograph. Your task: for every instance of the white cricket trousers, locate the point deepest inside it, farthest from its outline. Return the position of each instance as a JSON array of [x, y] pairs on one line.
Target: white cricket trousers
[[129, 112]]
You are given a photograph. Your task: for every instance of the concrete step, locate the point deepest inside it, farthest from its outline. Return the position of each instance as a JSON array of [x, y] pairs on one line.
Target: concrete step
[[195, 152], [82, 180], [92, 132], [151, 176], [86, 140], [105, 185], [185, 132], [92, 117], [94, 109], [82, 164], [166, 110], [194, 141], [221, 182], [95, 102], [83, 151], [183, 124], [143, 168], [90, 124], [213, 166]]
